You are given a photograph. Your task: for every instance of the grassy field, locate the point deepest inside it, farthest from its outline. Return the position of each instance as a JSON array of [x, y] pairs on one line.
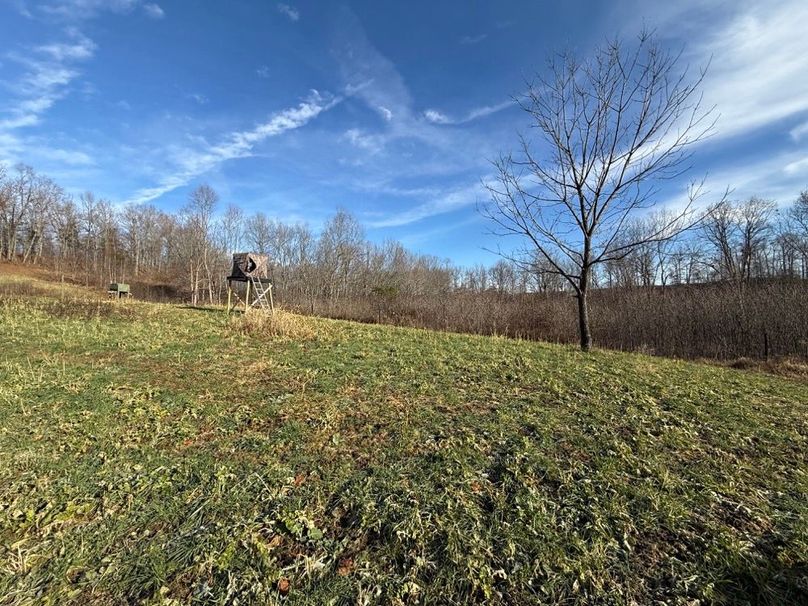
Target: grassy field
[[155, 454]]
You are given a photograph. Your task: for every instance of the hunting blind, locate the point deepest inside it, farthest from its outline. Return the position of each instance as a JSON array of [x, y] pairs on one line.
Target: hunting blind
[[252, 270]]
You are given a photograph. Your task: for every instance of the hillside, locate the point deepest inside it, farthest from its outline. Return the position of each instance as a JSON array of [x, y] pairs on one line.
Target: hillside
[[158, 454]]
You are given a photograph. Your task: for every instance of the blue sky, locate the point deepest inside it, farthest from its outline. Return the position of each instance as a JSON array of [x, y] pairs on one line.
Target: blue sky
[[391, 110]]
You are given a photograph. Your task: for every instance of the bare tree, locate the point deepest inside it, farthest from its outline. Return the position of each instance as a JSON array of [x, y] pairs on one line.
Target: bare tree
[[17, 199], [738, 233], [339, 252], [687, 261], [754, 220], [198, 239], [231, 229], [258, 233], [612, 127], [798, 214], [720, 231], [503, 275], [139, 226]]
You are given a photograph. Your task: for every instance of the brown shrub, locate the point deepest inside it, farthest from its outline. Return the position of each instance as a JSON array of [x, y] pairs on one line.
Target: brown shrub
[[719, 321]]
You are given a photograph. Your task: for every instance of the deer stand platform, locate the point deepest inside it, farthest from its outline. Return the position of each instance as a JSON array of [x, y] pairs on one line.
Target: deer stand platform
[[252, 270]]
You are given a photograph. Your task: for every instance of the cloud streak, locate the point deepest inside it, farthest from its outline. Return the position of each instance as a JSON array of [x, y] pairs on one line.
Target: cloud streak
[[408, 144], [779, 177], [292, 13], [798, 132], [76, 10], [154, 11], [756, 55], [48, 70], [447, 202], [437, 117], [470, 40], [192, 163]]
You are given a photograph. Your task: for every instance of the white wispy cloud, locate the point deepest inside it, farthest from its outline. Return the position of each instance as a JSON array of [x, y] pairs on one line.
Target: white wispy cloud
[[86, 9], [779, 177], [292, 13], [374, 79], [446, 202], [66, 157], [369, 75], [81, 10], [467, 40], [48, 71], [487, 110], [798, 132], [362, 140], [77, 49], [438, 117], [263, 71], [193, 162], [756, 54], [21, 7], [153, 10], [797, 167], [411, 144], [430, 236], [756, 80]]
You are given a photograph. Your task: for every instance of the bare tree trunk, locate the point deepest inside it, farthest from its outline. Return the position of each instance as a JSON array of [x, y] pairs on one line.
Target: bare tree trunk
[[583, 320], [30, 248]]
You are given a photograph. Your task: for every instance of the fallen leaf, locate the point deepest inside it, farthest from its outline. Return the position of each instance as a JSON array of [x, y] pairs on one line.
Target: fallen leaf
[[344, 566]]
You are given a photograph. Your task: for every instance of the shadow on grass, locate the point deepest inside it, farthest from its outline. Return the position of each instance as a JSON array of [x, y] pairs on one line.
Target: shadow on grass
[[765, 581], [215, 310]]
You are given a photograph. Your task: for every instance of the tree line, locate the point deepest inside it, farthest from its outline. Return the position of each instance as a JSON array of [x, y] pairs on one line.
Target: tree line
[[188, 253], [745, 263]]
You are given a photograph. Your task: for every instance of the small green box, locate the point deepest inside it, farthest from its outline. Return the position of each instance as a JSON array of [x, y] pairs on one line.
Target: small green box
[[119, 289]]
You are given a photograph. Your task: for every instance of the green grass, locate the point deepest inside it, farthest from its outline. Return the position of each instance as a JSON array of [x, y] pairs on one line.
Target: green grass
[[155, 454]]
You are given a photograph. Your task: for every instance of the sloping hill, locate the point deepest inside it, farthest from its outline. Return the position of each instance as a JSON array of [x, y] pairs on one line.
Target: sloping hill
[[164, 455]]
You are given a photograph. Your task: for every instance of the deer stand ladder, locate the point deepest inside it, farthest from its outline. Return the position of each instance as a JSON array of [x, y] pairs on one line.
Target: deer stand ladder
[[262, 299], [263, 294]]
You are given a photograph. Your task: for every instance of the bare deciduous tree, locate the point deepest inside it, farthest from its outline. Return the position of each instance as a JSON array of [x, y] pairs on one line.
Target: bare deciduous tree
[[610, 129], [198, 228], [258, 233], [231, 229], [738, 233], [799, 216]]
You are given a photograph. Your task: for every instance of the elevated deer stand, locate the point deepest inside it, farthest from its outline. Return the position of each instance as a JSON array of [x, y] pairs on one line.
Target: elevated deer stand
[[253, 270]]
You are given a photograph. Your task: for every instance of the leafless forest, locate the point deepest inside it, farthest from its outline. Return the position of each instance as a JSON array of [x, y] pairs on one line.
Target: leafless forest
[[735, 286]]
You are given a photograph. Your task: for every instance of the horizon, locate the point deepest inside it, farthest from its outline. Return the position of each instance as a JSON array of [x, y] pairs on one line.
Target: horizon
[[296, 110]]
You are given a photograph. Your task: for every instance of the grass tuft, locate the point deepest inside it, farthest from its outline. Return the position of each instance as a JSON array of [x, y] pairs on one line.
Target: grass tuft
[[280, 323]]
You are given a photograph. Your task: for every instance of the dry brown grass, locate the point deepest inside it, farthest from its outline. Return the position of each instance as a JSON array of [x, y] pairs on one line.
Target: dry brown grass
[[278, 324], [794, 368]]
